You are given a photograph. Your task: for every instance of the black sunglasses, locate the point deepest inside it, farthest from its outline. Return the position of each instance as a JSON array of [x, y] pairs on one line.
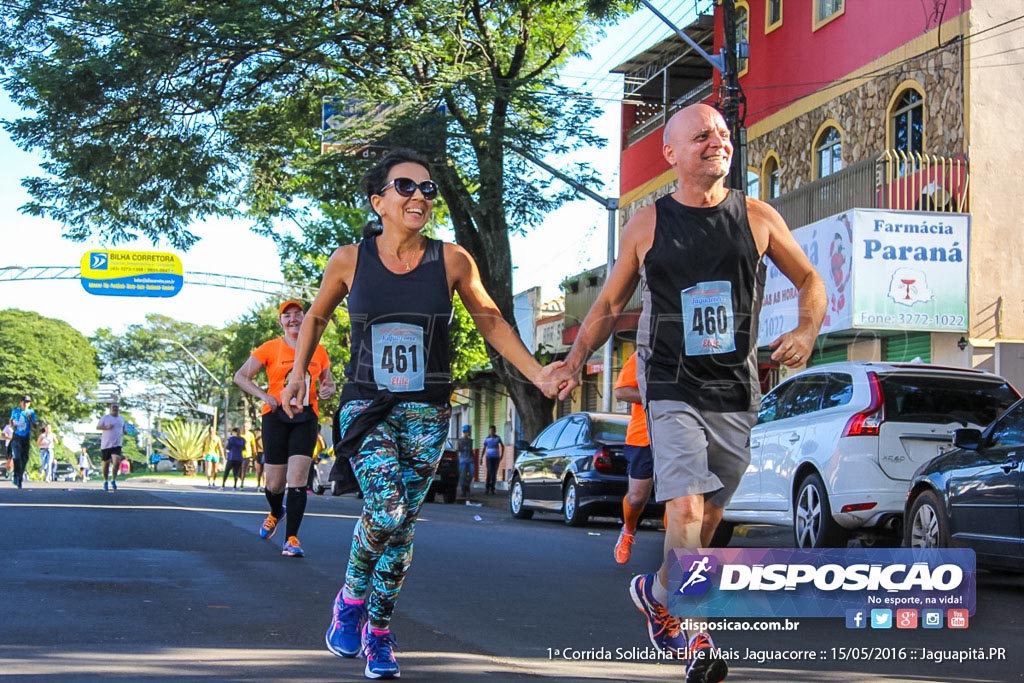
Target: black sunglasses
[[407, 187]]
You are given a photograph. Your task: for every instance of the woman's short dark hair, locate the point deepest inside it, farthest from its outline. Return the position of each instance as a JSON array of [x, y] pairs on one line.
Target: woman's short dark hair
[[377, 177]]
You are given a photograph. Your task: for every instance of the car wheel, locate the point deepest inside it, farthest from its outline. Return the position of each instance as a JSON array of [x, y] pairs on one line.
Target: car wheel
[[515, 500], [927, 526], [571, 505], [813, 525], [723, 534], [450, 494], [431, 495]]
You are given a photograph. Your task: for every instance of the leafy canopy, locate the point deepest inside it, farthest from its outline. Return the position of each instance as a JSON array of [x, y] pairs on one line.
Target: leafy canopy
[[51, 361], [152, 114]]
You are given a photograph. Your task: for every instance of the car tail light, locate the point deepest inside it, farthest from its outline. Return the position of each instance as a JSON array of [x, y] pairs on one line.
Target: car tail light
[[868, 421], [603, 460], [858, 507]]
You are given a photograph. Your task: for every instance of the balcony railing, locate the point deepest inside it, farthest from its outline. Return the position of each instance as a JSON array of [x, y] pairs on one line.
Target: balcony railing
[[581, 292], [890, 180]]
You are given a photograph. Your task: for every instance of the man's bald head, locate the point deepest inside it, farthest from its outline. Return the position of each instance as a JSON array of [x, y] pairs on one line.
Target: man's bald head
[[689, 117]]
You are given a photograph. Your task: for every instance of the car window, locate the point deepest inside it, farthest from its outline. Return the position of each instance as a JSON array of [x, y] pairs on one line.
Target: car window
[[770, 403], [838, 390], [1009, 430], [940, 399], [804, 397], [609, 431], [547, 438], [572, 434]]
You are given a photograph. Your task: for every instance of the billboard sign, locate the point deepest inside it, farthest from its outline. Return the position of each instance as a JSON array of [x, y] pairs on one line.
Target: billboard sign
[[131, 273], [883, 270]]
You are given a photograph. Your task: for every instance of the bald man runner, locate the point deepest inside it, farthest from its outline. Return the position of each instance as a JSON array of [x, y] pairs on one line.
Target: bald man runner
[[697, 255]]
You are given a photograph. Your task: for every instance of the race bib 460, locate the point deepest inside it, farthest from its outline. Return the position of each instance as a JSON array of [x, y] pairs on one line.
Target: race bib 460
[[708, 319]]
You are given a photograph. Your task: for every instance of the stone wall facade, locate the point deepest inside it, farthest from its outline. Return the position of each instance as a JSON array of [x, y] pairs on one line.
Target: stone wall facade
[[862, 115]]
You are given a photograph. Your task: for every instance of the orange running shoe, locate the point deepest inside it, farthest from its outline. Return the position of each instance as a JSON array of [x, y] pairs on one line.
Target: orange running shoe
[[624, 546]]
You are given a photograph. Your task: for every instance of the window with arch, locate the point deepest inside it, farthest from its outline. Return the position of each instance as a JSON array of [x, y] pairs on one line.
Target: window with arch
[[772, 178], [907, 122], [742, 37], [828, 152], [753, 183]]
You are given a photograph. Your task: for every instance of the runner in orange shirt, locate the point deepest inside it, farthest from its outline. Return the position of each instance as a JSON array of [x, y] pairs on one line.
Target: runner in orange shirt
[[641, 462], [288, 441]]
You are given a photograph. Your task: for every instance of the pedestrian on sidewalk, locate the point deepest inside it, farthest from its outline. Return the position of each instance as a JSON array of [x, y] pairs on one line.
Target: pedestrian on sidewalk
[[464, 447], [213, 455], [233, 461], [395, 407], [47, 456], [492, 455], [84, 463]]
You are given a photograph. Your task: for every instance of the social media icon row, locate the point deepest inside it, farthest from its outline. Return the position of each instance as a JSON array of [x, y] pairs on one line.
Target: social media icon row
[[907, 618]]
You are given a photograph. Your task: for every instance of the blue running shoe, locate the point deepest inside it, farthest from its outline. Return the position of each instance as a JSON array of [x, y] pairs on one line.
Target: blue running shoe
[[292, 547], [106, 485], [113, 484], [666, 631], [704, 666], [379, 653], [269, 527], [344, 634]]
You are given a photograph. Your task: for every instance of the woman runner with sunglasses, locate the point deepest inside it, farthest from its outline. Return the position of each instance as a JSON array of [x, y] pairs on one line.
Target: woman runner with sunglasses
[[395, 409]]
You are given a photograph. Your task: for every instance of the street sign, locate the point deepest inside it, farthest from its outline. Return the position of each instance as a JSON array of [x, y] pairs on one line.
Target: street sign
[[206, 409]]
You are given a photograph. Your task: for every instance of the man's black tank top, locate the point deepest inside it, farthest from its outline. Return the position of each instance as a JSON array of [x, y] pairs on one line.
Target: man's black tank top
[[702, 283], [399, 328]]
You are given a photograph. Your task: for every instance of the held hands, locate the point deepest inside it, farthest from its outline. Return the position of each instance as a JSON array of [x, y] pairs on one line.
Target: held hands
[[556, 380], [793, 348]]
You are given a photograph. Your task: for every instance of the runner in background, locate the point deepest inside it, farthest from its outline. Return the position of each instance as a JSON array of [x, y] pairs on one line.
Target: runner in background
[[288, 437], [638, 453]]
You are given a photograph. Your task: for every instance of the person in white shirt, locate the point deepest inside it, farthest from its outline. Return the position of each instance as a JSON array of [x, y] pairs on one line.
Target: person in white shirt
[[47, 457], [113, 428]]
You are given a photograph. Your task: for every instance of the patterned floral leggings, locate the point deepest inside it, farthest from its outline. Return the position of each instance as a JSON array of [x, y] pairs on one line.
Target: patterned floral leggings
[[394, 467]]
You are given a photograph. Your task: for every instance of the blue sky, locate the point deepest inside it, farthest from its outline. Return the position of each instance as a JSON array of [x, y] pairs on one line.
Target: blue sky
[[574, 238]]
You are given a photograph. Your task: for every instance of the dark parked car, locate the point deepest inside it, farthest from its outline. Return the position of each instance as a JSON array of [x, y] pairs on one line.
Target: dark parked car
[[970, 496], [446, 479], [574, 467], [65, 471]]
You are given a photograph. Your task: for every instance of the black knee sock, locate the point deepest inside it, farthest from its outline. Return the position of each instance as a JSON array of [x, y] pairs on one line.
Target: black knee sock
[[296, 505], [276, 501]]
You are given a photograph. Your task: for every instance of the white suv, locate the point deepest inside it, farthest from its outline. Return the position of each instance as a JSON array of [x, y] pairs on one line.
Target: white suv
[[835, 446]]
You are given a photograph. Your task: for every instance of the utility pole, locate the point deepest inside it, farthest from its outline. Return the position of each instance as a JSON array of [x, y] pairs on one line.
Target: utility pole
[[732, 102]]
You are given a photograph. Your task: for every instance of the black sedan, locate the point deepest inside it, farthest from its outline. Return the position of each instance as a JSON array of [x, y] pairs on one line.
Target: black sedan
[[970, 496], [575, 467]]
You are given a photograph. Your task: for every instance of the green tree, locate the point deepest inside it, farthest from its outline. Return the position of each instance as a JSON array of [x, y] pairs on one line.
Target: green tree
[[155, 113], [152, 355], [51, 361]]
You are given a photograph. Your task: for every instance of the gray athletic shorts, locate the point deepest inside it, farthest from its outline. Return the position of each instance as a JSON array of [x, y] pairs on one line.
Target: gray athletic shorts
[[698, 452]]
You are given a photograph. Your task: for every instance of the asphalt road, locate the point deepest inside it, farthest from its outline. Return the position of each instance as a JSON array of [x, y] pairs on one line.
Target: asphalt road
[[159, 583]]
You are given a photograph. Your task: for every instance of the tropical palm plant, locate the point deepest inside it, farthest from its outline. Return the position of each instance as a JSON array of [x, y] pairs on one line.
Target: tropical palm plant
[[183, 441]]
